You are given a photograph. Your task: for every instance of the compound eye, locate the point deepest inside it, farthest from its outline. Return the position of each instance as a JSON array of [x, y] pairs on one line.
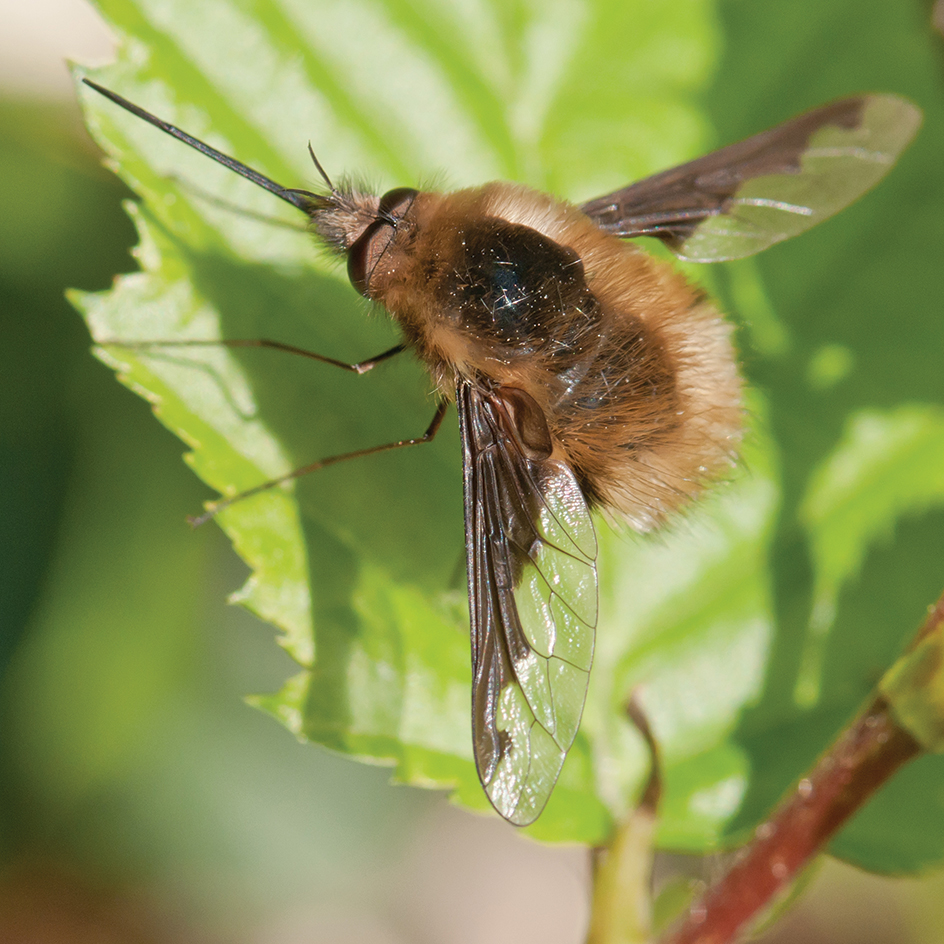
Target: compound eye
[[367, 251], [394, 203]]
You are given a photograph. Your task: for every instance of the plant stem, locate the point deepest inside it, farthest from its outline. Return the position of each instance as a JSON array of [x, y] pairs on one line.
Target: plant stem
[[867, 753], [622, 879]]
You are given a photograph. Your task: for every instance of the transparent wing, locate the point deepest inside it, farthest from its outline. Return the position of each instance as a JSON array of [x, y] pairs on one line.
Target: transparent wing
[[531, 552], [750, 195]]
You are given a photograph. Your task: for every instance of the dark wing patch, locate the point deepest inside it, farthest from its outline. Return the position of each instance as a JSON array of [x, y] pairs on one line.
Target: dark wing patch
[[531, 552], [750, 195]]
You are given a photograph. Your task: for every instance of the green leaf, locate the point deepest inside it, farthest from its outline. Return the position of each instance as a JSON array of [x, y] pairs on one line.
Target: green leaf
[[914, 688], [848, 353], [360, 565]]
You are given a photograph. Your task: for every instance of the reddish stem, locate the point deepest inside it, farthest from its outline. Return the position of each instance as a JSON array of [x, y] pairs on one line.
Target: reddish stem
[[866, 754]]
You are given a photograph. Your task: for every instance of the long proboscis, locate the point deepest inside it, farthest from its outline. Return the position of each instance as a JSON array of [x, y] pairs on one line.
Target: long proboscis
[[298, 198]]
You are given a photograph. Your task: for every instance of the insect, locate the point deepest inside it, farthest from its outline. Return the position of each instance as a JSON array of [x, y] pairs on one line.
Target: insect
[[585, 373]]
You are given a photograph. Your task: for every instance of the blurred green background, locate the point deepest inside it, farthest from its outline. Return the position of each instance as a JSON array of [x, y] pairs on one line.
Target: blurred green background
[[141, 799]]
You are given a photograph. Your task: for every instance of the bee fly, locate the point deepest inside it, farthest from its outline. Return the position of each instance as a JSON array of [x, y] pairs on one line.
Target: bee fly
[[585, 373]]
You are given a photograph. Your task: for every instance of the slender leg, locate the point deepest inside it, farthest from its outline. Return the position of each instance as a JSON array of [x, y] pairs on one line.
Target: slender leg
[[213, 507], [361, 367]]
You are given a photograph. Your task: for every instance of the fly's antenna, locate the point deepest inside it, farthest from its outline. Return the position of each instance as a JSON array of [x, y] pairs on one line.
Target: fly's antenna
[[298, 198], [321, 170]]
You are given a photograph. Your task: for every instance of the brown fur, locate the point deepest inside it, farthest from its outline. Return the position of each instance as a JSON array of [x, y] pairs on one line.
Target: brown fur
[[645, 404]]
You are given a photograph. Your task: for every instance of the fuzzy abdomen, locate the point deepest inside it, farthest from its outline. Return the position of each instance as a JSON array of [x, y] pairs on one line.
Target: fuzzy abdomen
[[634, 371]]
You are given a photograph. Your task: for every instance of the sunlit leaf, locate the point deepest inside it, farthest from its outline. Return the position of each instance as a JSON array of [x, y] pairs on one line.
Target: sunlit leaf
[[361, 565]]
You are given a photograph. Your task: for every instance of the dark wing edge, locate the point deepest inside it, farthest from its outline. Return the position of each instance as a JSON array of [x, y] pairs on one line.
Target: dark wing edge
[[531, 555], [747, 196]]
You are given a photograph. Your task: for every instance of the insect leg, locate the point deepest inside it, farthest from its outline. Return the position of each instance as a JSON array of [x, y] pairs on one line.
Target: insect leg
[[213, 507], [361, 367]]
